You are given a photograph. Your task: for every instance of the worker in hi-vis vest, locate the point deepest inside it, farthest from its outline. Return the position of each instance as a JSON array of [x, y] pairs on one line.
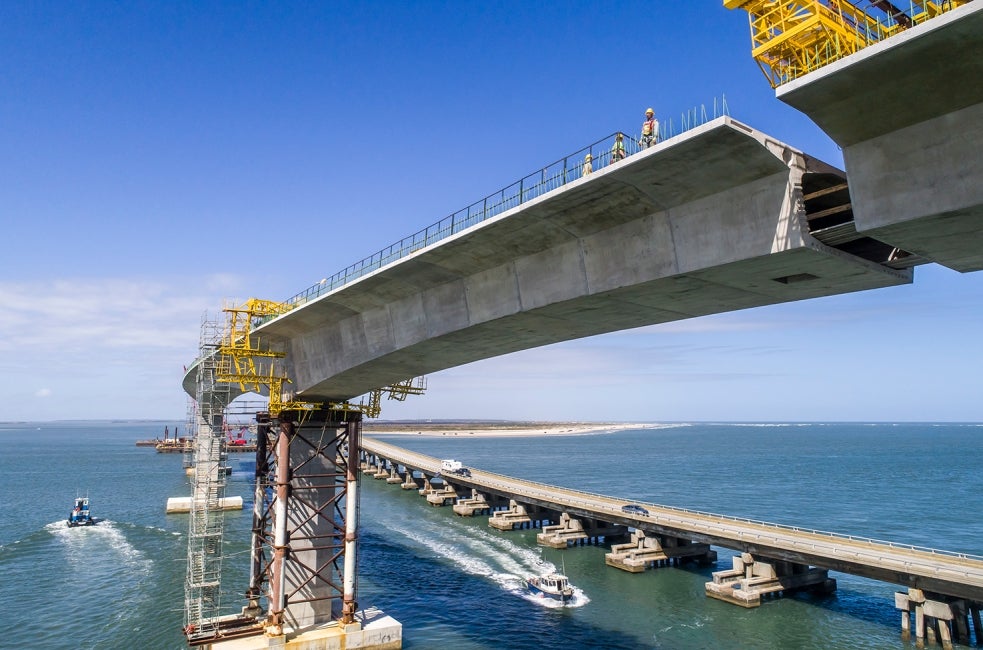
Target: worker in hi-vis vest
[[618, 148], [650, 130]]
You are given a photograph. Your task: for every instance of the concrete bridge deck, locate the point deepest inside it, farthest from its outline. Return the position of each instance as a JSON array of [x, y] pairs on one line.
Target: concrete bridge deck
[[716, 219], [952, 574]]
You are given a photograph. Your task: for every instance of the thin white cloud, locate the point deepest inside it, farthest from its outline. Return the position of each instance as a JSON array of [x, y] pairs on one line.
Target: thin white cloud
[[108, 347]]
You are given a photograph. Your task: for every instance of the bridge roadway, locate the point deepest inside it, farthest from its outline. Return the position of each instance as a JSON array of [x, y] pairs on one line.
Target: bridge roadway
[[953, 574]]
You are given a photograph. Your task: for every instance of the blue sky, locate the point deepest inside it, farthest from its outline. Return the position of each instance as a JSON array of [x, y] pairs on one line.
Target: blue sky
[[160, 158]]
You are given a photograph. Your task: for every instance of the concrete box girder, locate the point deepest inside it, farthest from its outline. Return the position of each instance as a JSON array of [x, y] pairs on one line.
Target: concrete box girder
[[908, 112], [707, 224]]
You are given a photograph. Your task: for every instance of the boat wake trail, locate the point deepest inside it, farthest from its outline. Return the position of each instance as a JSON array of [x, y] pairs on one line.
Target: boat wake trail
[[102, 558], [480, 553]]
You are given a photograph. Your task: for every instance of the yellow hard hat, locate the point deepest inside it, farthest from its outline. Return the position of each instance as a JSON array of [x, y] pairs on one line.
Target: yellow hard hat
[[587, 157], [649, 111]]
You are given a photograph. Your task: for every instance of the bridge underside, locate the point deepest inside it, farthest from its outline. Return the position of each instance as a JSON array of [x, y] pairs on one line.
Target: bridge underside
[[713, 221], [908, 113]]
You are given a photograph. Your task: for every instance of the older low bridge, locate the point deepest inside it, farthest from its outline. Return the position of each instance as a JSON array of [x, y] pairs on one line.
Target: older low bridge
[[943, 586]]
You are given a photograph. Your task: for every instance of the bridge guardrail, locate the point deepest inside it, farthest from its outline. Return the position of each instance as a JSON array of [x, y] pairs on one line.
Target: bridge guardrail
[[542, 181], [742, 520]]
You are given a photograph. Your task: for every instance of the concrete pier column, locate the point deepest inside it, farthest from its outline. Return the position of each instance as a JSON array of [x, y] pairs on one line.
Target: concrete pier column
[[751, 578], [974, 612], [917, 598], [645, 551], [410, 483], [510, 518], [903, 603], [562, 534], [468, 507], [960, 621], [940, 615]]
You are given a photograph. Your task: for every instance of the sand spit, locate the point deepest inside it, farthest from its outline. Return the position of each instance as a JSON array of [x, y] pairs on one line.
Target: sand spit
[[498, 429]]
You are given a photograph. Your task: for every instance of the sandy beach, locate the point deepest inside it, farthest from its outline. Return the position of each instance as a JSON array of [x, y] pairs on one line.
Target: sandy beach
[[497, 429]]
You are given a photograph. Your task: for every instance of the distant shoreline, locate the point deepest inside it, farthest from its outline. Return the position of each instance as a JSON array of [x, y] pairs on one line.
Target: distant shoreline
[[498, 429]]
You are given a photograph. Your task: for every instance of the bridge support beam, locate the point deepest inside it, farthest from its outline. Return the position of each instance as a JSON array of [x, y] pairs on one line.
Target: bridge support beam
[[410, 483], [477, 503], [750, 579], [394, 476], [937, 618], [573, 531], [442, 496], [651, 551], [514, 516]]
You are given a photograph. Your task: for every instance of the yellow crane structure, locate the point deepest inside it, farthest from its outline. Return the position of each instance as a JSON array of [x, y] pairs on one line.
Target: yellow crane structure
[[243, 360], [792, 38]]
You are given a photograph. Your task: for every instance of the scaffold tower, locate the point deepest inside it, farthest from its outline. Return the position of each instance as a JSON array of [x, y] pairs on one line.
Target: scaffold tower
[[204, 571]]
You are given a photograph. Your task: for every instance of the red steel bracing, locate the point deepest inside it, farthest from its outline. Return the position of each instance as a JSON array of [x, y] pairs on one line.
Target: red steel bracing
[[328, 512], [280, 537], [354, 430], [294, 491]]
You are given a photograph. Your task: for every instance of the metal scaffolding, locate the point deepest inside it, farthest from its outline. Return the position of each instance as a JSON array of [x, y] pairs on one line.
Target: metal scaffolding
[[202, 590], [303, 548]]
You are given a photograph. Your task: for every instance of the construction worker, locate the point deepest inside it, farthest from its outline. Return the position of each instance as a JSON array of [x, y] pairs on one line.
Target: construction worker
[[650, 130], [618, 148], [588, 166]]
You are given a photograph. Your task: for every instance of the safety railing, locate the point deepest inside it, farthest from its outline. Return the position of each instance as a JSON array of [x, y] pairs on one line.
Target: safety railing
[[871, 23], [572, 167]]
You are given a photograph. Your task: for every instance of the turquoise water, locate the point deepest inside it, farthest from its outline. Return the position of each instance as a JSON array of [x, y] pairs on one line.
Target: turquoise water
[[456, 583]]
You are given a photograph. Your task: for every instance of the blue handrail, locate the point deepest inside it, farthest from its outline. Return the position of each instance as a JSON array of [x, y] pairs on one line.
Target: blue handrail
[[551, 177]]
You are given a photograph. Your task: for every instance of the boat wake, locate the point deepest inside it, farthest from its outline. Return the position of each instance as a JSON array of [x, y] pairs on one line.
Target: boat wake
[[82, 544], [480, 553]]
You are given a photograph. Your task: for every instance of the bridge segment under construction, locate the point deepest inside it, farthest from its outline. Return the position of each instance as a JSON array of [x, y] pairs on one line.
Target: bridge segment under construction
[[719, 218]]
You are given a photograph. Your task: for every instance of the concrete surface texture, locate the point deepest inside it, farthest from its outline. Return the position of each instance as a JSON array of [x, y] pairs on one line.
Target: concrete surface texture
[[707, 222], [908, 113]]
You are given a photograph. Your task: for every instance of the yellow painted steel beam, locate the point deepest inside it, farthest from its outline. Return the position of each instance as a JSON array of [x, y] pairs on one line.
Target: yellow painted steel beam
[[790, 38]]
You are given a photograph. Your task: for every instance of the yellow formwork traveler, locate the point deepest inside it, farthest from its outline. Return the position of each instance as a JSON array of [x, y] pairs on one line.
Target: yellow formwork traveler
[[792, 38]]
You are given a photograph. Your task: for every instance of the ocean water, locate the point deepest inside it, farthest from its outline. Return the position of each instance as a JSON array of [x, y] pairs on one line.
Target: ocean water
[[456, 583]]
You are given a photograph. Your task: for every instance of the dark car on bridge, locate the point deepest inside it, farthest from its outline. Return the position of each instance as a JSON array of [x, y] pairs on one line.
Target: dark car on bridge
[[633, 509]]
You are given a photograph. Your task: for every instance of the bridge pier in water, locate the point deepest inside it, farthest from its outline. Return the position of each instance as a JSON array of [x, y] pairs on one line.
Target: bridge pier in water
[[572, 531], [514, 516], [476, 504], [409, 483], [751, 578], [304, 539], [646, 551], [937, 618]]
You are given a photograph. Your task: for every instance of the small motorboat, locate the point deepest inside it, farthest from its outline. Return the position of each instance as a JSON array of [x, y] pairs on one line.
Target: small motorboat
[[79, 516], [552, 585]]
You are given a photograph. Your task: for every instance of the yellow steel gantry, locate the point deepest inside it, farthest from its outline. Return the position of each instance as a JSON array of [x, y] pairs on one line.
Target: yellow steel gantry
[[242, 358], [243, 361], [792, 38]]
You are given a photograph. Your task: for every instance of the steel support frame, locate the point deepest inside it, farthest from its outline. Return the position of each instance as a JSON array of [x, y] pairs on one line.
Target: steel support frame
[[277, 526]]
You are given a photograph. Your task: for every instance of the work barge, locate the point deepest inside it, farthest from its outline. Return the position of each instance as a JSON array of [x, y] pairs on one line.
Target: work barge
[[944, 590]]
